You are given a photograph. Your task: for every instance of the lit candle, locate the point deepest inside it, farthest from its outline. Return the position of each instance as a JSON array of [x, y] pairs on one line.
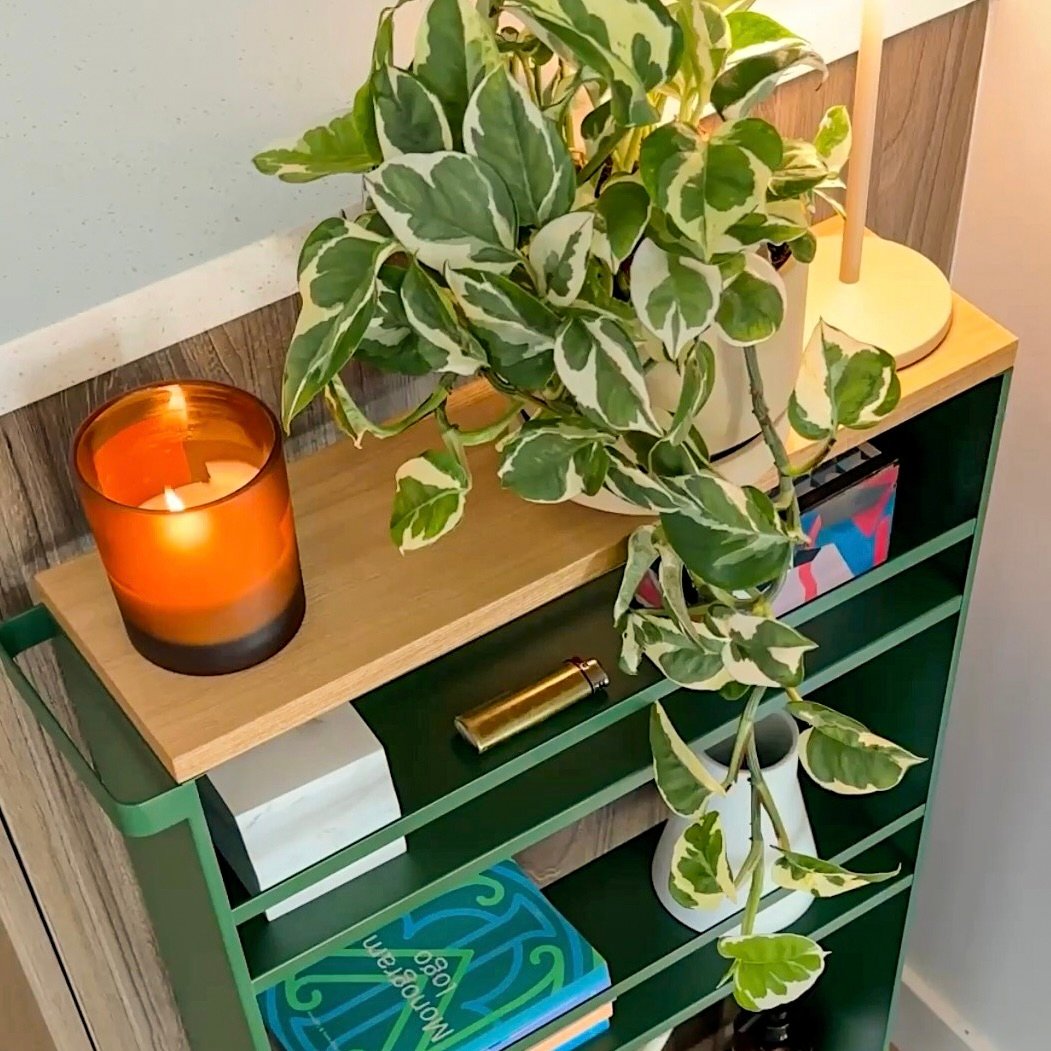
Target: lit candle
[[186, 492], [866, 110]]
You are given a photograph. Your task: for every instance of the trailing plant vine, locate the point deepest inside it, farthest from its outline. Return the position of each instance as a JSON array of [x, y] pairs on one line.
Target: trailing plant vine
[[560, 195]]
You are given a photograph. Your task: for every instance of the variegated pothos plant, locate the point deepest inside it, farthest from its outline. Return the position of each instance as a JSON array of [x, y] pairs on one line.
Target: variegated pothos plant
[[559, 191]]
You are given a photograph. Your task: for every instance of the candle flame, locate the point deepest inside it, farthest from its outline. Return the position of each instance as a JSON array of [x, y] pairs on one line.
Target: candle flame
[[177, 400], [172, 500]]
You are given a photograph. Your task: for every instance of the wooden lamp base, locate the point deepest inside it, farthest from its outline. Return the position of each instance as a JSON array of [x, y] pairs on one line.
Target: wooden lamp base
[[903, 303]]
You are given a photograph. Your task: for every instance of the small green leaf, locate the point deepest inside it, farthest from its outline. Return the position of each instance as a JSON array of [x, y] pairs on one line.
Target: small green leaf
[[700, 875], [694, 662], [409, 119], [684, 781], [504, 128], [448, 209], [845, 757], [551, 461], [772, 970], [600, 366], [429, 310], [622, 213], [698, 382], [347, 144], [843, 383], [752, 309], [834, 138], [642, 555], [429, 500], [559, 256], [822, 878], [676, 297]]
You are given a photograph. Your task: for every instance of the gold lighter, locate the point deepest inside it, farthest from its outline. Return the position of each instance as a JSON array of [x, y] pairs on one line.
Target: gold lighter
[[511, 713]]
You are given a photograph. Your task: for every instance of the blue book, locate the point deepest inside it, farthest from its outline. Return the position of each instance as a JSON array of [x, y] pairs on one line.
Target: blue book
[[473, 970]]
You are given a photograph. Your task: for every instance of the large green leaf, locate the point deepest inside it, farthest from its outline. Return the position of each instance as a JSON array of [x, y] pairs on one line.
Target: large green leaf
[[771, 970], [409, 118], [347, 144], [505, 128], [822, 878], [551, 461], [753, 304], [634, 485], [694, 662], [729, 537], [700, 876], [429, 500], [600, 366], [635, 45], [843, 383], [429, 310], [845, 757], [708, 185], [340, 263], [676, 297], [684, 781], [558, 255], [764, 52], [517, 330], [449, 209], [622, 213], [455, 49]]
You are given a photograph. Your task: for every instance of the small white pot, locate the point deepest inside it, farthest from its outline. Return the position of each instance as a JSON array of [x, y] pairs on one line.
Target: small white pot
[[777, 739], [727, 423]]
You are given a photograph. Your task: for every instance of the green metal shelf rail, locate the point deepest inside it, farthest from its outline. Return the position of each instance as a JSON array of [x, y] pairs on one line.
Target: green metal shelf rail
[[893, 633]]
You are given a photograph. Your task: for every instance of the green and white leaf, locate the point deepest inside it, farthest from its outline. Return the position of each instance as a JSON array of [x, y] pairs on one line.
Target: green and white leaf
[[622, 214], [707, 186], [843, 383], [429, 500], [676, 297], [730, 537], [505, 128], [340, 263], [694, 663], [429, 310], [449, 210], [559, 256], [642, 554], [635, 45], [700, 876], [760, 651], [802, 171], [673, 590], [517, 330], [753, 305], [627, 481], [455, 50], [551, 461], [771, 970], [684, 782], [354, 423], [707, 40], [835, 138], [823, 879], [845, 757], [600, 366], [409, 118], [697, 370], [346, 144], [763, 54]]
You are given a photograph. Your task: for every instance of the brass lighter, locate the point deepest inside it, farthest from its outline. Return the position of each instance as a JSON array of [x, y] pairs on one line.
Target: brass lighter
[[511, 713]]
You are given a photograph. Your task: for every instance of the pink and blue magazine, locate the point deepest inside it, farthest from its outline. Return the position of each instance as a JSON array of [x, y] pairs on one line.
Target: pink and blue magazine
[[473, 970]]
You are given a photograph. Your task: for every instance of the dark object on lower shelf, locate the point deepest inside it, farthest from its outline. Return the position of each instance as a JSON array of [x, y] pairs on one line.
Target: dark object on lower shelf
[[785, 1029]]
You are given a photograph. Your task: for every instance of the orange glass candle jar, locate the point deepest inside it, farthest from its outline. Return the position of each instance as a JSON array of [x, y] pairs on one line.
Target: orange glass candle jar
[[185, 489]]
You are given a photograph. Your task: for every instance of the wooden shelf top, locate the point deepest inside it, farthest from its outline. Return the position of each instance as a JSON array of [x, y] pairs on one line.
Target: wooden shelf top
[[373, 614]]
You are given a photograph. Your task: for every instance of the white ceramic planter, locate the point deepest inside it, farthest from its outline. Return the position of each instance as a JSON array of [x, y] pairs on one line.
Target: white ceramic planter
[[726, 422], [777, 738]]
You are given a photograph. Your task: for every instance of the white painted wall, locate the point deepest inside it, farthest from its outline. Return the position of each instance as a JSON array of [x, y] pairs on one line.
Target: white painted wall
[[980, 948], [131, 216]]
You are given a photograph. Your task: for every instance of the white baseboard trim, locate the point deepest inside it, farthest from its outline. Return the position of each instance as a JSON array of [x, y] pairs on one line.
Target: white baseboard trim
[[51, 359], [928, 1022]]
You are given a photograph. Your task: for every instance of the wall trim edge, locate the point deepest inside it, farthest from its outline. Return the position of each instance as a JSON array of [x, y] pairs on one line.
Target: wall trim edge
[[927, 1021]]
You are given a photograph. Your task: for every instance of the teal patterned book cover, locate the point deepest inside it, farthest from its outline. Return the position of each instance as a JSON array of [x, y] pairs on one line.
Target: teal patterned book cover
[[473, 970]]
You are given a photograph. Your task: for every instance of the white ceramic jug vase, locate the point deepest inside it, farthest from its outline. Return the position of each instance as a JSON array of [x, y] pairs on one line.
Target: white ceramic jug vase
[[777, 739]]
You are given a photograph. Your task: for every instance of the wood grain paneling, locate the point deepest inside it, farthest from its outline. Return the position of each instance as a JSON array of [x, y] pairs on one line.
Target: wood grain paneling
[[78, 867]]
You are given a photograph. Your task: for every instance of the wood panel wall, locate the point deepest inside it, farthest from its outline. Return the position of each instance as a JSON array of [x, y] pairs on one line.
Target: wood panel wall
[[77, 864]]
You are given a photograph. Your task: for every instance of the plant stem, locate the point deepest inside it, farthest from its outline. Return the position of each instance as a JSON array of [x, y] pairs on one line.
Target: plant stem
[[761, 789], [485, 435], [745, 733], [755, 891], [786, 500]]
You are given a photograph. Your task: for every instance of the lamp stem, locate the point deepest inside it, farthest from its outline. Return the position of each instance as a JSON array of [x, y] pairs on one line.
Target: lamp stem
[[866, 108]]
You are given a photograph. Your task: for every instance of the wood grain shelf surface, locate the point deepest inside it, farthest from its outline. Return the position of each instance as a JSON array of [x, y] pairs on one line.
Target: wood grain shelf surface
[[374, 614]]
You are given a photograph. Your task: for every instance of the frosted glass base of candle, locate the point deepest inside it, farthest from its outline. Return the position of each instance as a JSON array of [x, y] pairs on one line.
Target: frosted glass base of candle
[[903, 303], [297, 800], [777, 739]]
